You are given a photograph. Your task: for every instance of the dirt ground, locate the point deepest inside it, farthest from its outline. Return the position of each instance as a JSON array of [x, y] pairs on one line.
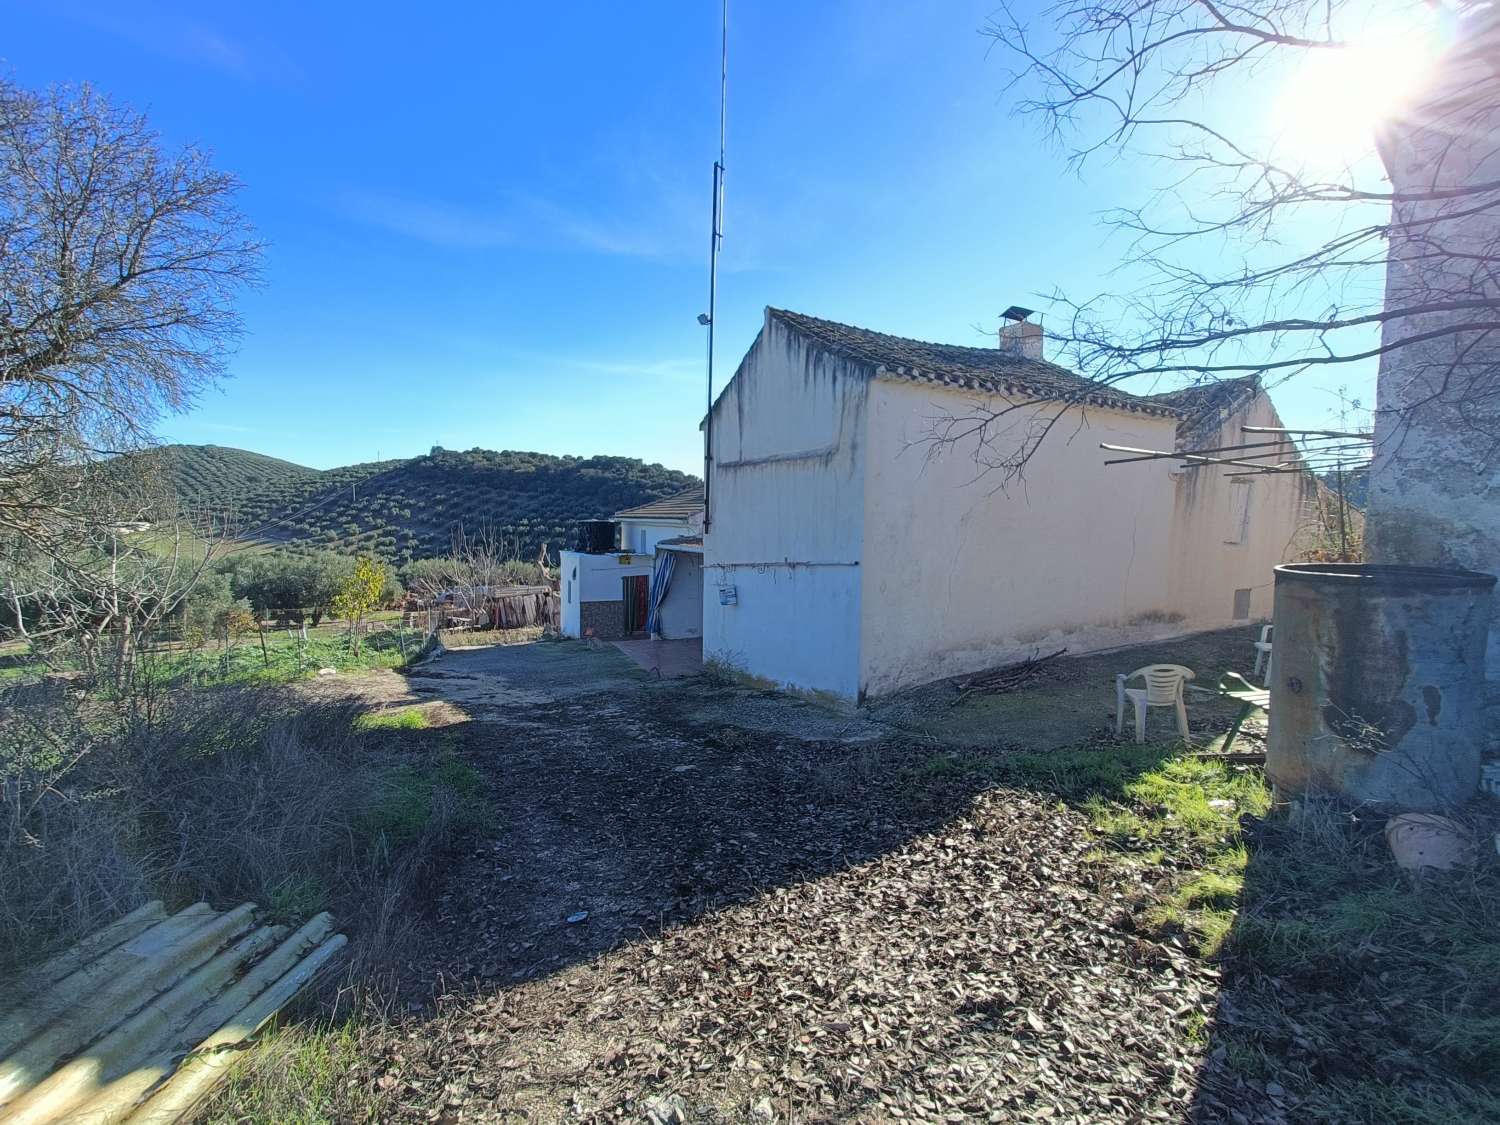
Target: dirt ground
[[1073, 698], [698, 902]]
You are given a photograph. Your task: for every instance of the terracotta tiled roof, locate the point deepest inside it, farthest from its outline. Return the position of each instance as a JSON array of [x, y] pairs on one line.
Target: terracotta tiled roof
[[976, 369], [1204, 406], [683, 505]]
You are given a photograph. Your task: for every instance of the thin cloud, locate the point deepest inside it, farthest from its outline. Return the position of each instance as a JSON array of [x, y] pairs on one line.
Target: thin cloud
[[529, 220], [440, 224], [618, 239], [671, 368], [173, 37]]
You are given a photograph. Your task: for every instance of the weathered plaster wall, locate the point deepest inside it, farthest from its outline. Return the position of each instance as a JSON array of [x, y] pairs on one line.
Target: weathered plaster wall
[[1207, 568], [568, 593], [787, 517], [1435, 483], [959, 576], [681, 612]]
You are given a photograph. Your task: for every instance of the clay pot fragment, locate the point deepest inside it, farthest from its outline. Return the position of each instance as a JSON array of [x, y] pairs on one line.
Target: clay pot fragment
[[1427, 840]]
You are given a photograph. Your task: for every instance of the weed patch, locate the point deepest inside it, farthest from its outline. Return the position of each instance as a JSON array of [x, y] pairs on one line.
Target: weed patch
[[401, 718], [308, 1075], [246, 794]]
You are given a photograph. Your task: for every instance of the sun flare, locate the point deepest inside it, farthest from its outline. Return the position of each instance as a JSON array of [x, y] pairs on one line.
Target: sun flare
[[1333, 104]]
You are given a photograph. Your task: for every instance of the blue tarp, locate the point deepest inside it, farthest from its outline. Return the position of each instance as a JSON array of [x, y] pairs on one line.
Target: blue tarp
[[661, 578]]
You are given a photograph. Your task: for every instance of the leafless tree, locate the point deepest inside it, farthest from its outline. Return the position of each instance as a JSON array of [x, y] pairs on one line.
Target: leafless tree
[[1248, 258], [119, 263]]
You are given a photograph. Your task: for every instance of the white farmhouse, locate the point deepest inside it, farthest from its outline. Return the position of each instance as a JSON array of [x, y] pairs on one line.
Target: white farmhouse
[[672, 527], [845, 553]]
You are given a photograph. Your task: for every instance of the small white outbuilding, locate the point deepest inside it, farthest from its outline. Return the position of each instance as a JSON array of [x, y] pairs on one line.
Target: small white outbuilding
[[604, 594], [612, 593], [848, 552]]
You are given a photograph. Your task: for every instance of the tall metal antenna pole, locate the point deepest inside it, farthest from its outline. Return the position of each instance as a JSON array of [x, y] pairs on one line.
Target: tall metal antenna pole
[[716, 239]]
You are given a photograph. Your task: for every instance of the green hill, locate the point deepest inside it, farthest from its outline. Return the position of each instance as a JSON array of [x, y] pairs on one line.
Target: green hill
[[409, 509], [219, 475]]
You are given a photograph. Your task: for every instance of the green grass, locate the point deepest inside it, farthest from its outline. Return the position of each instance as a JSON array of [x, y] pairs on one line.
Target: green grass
[[409, 787], [285, 659], [1150, 806], [309, 1075], [1154, 809], [401, 718], [1409, 1103]]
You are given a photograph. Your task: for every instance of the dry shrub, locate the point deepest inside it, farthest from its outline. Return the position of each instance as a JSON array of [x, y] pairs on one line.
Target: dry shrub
[[251, 796], [70, 858], [228, 796]]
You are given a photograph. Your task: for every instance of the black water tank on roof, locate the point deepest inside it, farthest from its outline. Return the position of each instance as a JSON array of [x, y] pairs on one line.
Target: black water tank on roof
[[596, 537]]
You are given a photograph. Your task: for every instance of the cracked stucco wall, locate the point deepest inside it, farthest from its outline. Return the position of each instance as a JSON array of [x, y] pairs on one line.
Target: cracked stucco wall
[[1435, 481], [786, 529]]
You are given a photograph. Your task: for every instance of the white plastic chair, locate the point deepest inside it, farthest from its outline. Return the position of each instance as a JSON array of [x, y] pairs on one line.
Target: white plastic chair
[[1164, 688], [1263, 654]]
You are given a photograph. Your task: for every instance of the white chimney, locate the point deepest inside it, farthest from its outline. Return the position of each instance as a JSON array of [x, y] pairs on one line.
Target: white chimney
[[1020, 336]]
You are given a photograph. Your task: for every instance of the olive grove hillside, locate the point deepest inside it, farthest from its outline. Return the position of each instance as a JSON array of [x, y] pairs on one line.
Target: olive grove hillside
[[405, 509]]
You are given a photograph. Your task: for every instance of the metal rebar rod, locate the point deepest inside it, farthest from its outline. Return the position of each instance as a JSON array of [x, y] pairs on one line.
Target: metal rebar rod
[[1279, 448], [1324, 433]]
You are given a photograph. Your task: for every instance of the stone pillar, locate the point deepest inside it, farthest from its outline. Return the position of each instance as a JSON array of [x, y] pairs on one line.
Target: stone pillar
[[1435, 480]]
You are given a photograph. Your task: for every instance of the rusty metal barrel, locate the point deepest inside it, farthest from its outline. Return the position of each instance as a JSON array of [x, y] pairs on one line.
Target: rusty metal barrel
[[1377, 684]]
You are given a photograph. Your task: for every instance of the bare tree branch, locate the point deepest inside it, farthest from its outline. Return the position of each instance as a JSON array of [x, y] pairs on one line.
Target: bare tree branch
[[119, 264], [1245, 261]]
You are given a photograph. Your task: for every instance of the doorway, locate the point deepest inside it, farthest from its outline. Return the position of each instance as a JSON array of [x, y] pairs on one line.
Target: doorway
[[637, 594]]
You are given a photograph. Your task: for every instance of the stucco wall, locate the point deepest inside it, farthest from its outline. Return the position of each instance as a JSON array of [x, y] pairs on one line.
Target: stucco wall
[[643, 536], [681, 612], [788, 510], [960, 576], [1207, 569], [1435, 482], [568, 593]]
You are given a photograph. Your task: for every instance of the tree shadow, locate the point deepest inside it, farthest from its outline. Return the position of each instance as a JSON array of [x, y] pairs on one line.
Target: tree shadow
[[1353, 991], [639, 814], [606, 824]]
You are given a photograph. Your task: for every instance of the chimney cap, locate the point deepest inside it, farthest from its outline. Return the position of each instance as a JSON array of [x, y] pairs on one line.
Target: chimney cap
[[1017, 313]]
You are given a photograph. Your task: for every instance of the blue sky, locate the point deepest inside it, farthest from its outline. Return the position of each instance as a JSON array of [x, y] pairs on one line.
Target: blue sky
[[488, 224]]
